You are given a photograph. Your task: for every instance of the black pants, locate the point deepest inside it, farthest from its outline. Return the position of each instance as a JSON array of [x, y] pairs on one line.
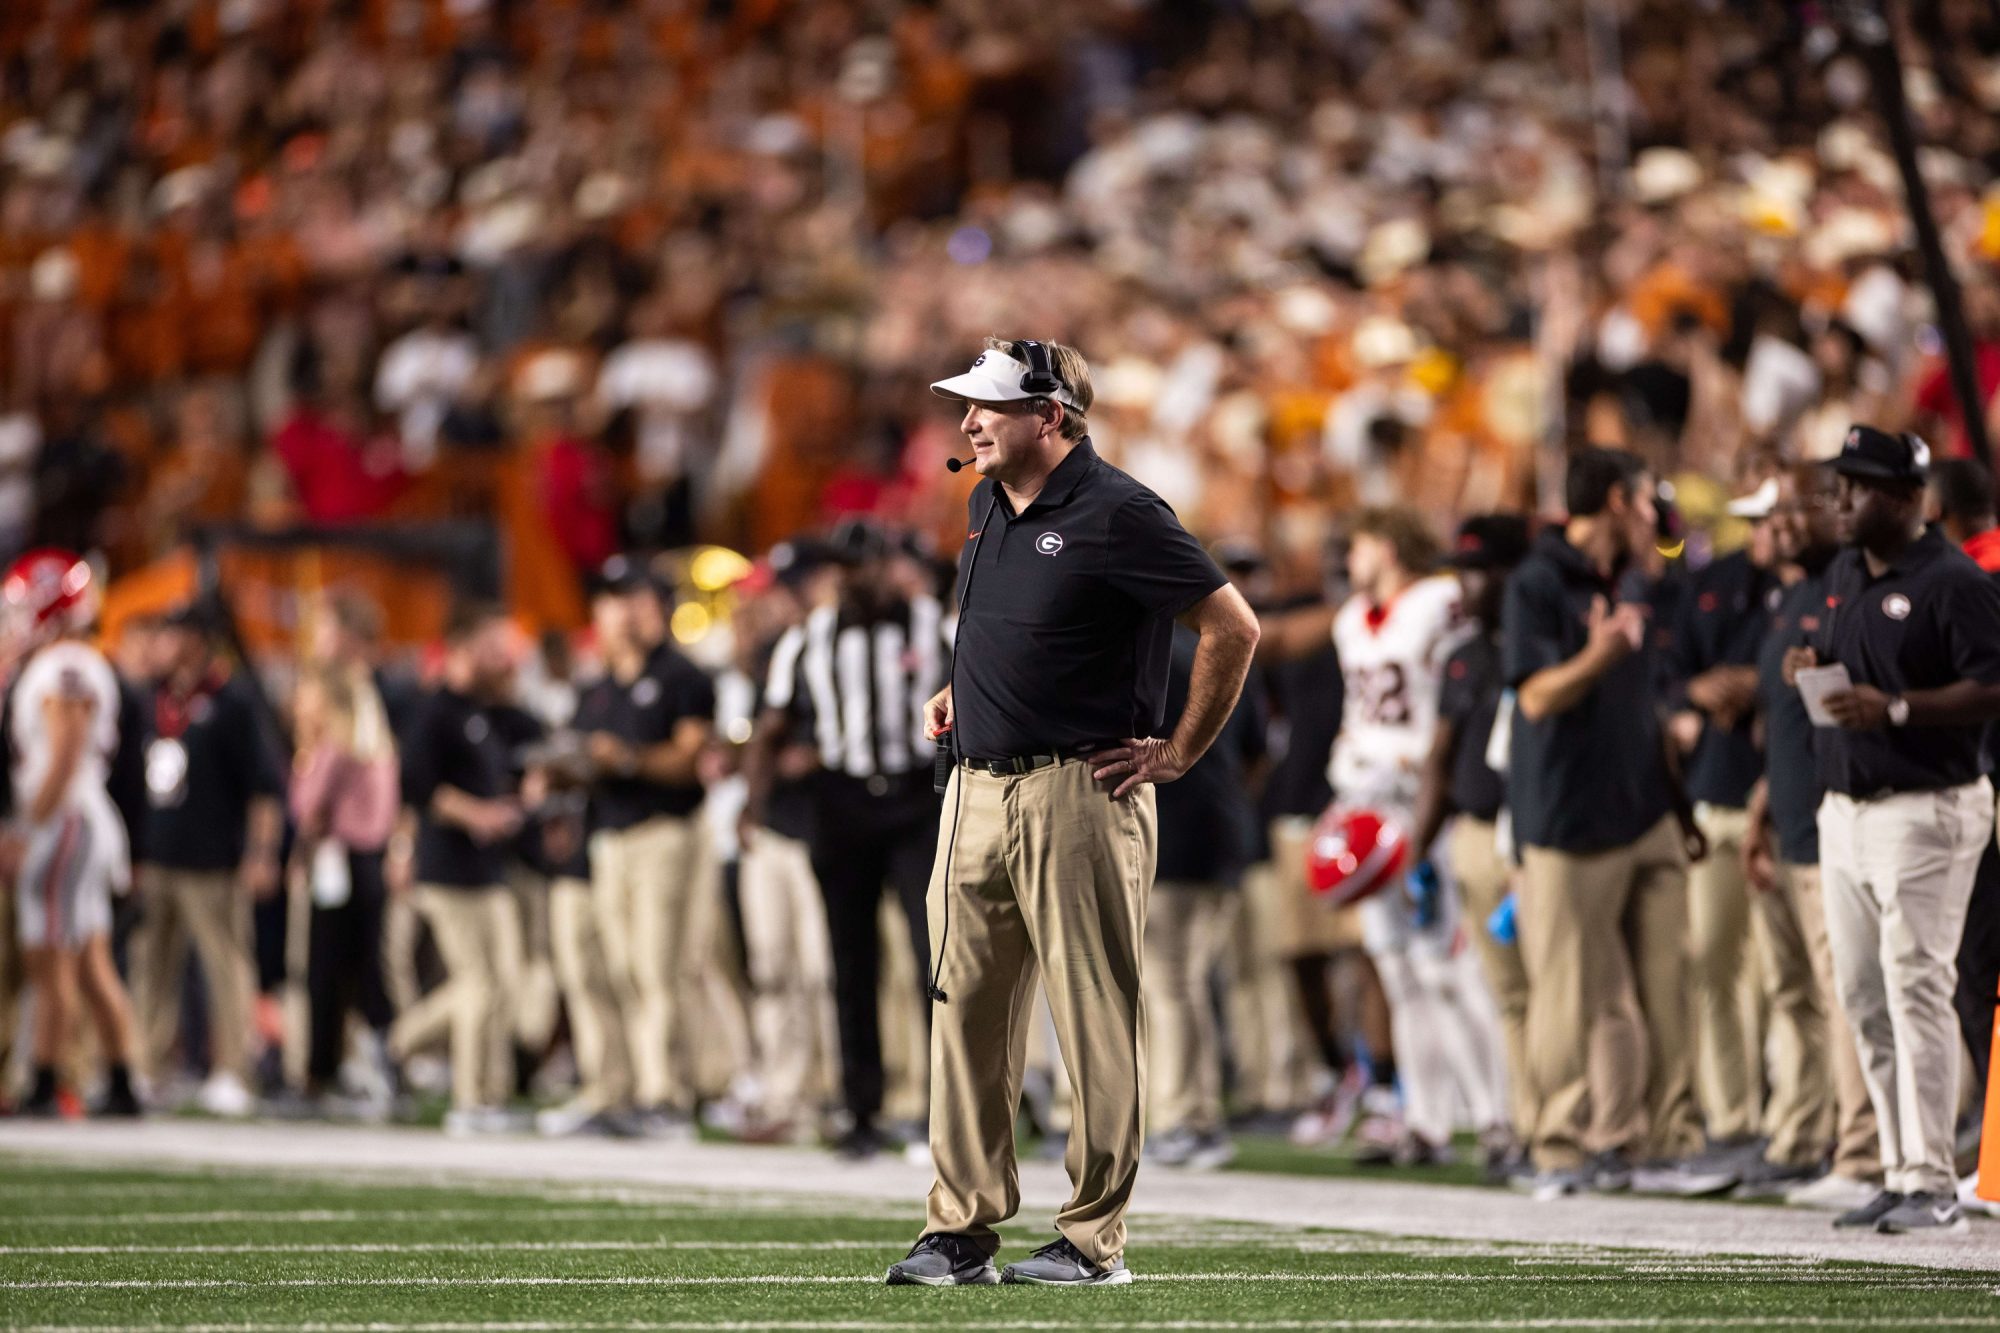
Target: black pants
[[864, 841], [344, 966], [1979, 964]]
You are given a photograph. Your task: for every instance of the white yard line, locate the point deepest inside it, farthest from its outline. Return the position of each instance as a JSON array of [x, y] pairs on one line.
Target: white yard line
[[1915, 1281], [1027, 1325], [812, 1181]]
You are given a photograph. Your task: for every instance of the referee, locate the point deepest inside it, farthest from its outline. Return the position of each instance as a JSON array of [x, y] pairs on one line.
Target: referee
[[1070, 580], [855, 677]]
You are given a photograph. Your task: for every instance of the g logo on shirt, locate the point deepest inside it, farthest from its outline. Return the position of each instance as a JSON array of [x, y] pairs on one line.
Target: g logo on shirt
[[1049, 543], [1896, 606], [646, 693]]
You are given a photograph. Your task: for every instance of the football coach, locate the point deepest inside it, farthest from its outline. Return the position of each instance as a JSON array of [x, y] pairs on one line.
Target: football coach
[[1070, 580]]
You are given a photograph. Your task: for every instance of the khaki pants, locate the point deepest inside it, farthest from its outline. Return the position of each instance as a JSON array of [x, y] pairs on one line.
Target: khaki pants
[[1188, 927], [900, 1002], [791, 974], [1898, 874], [597, 1030], [1483, 881], [210, 907], [1604, 938], [535, 1004], [654, 888], [1728, 1068], [1047, 871], [1267, 1037], [478, 934], [1842, 1092]]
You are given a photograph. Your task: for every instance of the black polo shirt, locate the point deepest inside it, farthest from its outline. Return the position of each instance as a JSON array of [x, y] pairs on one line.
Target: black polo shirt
[[644, 712], [1794, 784], [1469, 699], [1723, 616], [207, 759], [1207, 817], [455, 742], [1069, 612], [1932, 619], [1594, 777], [1306, 697]]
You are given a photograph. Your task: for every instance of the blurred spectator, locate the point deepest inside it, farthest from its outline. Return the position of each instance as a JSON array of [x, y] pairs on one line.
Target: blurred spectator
[[344, 802], [1206, 839], [342, 469], [213, 829], [644, 725], [458, 777]]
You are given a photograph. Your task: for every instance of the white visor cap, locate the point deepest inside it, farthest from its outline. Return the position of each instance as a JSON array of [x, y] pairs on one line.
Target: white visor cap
[[1760, 503], [995, 377]]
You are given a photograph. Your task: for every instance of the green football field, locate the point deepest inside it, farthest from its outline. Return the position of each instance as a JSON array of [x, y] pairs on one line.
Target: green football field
[[242, 1253]]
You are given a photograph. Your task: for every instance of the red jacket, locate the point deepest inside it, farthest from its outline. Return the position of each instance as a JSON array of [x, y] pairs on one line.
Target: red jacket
[[338, 477]]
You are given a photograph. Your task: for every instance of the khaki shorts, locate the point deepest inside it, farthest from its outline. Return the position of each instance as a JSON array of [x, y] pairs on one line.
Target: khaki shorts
[[1305, 923]]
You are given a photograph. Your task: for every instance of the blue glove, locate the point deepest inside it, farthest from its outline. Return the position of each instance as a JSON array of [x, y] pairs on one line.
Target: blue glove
[[1501, 925], [1425, 893]]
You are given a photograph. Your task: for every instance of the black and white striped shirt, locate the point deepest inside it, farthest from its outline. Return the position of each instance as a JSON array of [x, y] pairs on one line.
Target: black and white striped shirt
[[862, 685]]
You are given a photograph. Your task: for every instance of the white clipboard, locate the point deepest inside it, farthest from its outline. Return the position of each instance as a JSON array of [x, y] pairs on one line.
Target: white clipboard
[[1815, 684]]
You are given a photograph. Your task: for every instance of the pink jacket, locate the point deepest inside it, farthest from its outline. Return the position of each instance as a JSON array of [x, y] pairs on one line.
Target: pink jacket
[[336, 795]]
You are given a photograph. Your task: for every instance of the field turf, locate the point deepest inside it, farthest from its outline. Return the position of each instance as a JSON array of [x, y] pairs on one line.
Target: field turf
[[94, 1248]]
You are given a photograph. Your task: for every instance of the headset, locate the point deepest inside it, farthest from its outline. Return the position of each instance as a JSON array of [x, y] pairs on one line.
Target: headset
[[1040, 379]]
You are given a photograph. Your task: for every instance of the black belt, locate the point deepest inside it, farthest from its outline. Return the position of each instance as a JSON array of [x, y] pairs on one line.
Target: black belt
[[1005, 768]]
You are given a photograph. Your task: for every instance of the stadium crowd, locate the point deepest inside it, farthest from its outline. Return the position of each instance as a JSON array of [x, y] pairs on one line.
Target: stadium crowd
[[616, 278]]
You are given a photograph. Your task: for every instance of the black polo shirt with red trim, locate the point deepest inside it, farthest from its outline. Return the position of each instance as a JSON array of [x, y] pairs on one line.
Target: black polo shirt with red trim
[[1932, 619], [1067, 612]]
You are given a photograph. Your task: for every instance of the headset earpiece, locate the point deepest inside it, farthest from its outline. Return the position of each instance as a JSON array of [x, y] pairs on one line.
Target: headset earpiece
[[1041, 379]]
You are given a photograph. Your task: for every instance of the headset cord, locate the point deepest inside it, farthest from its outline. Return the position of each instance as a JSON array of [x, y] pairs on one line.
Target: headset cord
[[934, 989]]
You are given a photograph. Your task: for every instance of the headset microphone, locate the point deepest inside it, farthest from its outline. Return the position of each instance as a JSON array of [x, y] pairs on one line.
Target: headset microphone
[[958, 464]]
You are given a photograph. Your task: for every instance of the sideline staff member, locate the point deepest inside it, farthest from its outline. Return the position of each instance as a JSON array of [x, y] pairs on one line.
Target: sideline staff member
[[1070, 581], [1603, 897], [1908, 812]]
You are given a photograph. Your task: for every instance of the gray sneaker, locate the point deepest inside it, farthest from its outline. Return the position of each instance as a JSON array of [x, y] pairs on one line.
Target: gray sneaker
[[1868, 1214], [1689, 1178], [944, 1259], [1923, 1211], [1061, 1264]]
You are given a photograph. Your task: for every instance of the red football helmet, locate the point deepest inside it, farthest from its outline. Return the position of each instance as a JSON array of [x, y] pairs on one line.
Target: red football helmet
[[1355, 853], [48, 591]]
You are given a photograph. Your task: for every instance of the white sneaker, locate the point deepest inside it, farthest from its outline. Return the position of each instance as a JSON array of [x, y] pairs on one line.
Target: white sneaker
[[428, 1074], [475, 1121], [1832, 1193], [559, 1122], [224, 1095], [1969, 1200], [365, 1073]]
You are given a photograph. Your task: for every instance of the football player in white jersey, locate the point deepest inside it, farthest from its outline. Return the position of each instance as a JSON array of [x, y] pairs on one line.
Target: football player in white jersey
[[1393, 637], [62, 733]]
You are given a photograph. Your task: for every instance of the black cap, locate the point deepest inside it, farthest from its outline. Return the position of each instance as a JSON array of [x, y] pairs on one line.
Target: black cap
[[858, 540], [1490, 541], [1869, 454], [621, 574], [793, 561]]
